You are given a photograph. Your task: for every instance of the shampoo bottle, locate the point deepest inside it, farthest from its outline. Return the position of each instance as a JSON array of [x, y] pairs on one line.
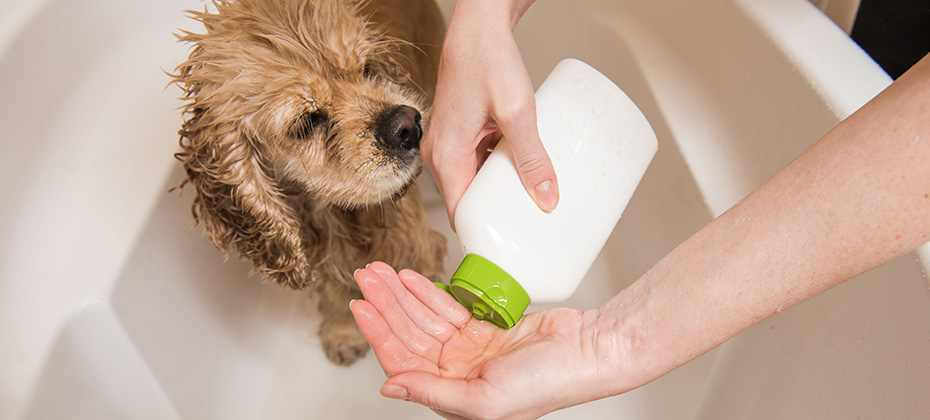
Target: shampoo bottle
[[600, 145]]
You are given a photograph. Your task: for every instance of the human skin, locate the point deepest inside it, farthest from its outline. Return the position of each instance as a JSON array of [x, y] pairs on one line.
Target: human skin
[[856, 199], [484, 93]]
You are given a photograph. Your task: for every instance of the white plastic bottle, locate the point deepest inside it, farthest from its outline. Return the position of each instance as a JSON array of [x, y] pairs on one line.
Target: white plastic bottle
[[600, 145]]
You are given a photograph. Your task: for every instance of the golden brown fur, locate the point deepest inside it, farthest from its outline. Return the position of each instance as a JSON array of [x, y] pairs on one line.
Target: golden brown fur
[[299, 141]]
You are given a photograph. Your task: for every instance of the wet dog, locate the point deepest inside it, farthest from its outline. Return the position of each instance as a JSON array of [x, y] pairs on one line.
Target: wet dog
[[302, 125]]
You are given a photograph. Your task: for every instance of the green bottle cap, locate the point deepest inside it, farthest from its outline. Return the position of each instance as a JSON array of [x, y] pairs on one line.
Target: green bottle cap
[[488, 291], [443, 286]]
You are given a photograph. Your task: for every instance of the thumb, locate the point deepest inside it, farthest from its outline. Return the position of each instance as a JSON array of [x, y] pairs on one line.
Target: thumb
[[532, 160], [455, 396]]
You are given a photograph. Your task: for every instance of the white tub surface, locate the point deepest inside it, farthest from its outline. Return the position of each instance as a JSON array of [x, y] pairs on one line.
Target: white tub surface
[[113, 307]]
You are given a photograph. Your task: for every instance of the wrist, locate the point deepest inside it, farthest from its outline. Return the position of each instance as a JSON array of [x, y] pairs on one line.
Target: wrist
[[625, 353]]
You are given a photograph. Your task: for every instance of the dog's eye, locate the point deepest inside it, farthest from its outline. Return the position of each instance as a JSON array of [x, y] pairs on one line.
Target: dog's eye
[[309, 123], [367, 71]]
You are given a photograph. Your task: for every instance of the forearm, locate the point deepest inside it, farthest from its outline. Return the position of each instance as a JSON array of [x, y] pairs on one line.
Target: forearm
[[858, 198]]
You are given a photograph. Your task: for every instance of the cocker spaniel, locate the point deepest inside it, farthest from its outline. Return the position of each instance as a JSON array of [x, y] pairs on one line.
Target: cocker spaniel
[[302, 125]]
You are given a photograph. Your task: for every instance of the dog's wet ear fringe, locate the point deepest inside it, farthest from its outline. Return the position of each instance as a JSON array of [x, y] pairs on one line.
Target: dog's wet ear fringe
[[239, 206]]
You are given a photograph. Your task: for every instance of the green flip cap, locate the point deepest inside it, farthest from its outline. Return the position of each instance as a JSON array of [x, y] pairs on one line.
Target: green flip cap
[[488, 291]]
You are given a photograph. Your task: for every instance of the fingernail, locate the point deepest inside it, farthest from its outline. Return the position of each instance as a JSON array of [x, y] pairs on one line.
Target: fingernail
[[396, 392], [546, 196]]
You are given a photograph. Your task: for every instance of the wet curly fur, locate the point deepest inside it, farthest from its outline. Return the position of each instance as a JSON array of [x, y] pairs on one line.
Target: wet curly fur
[[302, 121]]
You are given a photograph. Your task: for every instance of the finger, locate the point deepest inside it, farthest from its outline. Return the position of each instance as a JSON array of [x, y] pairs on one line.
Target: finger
[[450, 395], [450, 145], [378, 294], [378, 334], [530, 156], [392, 354], [452, 162], [438, 301], [425, 317]]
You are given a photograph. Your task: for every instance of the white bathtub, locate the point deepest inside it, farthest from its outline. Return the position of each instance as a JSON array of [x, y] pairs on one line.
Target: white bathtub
[[113, 307]]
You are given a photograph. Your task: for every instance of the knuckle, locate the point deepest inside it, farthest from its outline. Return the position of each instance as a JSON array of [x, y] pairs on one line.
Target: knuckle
[[516, 111], [533, 165]]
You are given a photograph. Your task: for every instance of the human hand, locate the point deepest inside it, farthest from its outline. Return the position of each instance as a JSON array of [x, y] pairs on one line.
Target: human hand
[[484, 93], [436, 354]]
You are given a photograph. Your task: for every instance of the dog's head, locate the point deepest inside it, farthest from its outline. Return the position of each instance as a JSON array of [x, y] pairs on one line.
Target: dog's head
[[292, 95]]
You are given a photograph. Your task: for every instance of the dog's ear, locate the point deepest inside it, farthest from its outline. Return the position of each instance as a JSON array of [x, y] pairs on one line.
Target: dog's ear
[[238, 201]]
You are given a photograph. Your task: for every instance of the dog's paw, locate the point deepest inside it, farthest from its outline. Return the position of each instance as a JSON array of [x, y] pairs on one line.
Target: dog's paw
[[342, 342]]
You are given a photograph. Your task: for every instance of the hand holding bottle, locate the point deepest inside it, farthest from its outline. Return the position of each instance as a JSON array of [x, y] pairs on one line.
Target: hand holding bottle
[[484, 93]]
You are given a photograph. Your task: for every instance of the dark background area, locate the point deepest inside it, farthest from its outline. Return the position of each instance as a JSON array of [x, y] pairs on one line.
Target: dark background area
[[896, 33]]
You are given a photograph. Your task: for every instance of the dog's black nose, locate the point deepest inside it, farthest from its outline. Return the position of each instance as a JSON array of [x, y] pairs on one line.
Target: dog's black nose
[[399, 128]]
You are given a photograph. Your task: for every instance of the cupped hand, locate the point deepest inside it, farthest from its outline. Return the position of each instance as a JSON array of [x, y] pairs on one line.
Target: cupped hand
[[436, 354], [484, 93]]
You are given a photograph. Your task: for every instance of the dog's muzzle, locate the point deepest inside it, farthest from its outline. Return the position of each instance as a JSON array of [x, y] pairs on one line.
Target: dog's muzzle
[[398, 128]]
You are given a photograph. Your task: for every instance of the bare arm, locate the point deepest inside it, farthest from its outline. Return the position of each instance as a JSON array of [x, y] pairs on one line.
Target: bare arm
[[858, 198]]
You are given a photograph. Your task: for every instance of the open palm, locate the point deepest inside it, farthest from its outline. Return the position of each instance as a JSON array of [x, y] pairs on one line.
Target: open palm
[[435, 353]]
